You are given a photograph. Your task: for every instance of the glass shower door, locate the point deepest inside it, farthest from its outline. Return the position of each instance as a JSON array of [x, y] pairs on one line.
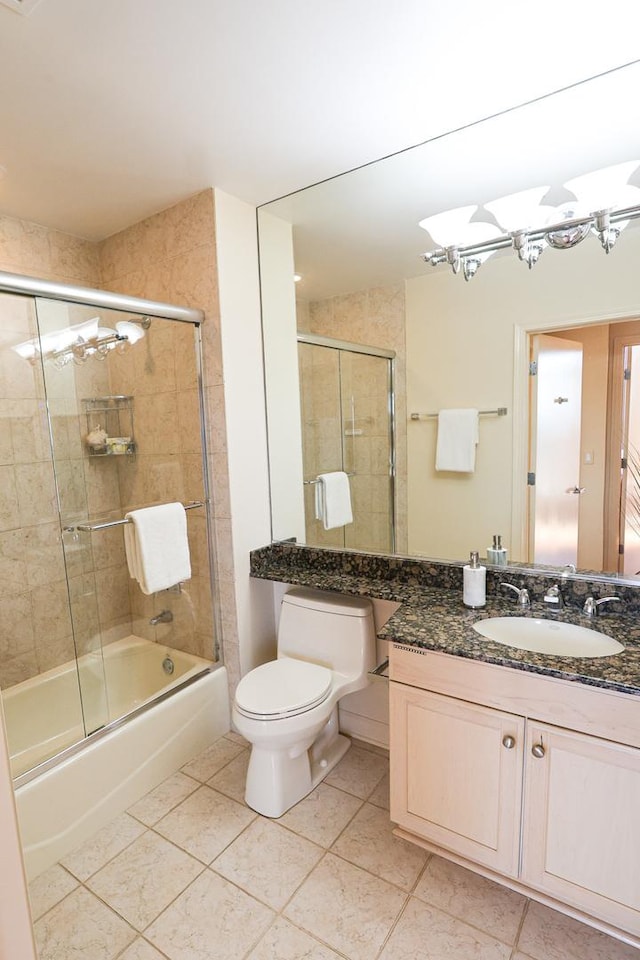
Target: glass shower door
[[36, 634]]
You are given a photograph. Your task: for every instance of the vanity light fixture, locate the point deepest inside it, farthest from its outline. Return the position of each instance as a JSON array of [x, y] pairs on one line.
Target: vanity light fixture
[[604, 204], [79, 342]]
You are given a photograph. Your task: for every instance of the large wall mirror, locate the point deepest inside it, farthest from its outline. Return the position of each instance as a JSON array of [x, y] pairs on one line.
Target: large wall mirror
[[550, 355]]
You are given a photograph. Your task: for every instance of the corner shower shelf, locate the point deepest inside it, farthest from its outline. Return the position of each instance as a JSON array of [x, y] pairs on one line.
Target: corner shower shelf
[[113, 416]]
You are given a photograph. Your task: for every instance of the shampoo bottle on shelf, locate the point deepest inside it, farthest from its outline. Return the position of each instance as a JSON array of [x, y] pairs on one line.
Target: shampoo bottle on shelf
[[474, 583]]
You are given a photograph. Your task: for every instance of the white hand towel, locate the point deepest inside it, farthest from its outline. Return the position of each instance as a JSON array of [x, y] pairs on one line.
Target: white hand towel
[[157, 547], [457, 440], [333, 499]]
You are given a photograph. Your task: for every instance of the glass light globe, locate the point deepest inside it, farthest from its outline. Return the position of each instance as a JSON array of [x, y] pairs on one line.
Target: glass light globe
[[445, 228], [520, 211], [602, 189]]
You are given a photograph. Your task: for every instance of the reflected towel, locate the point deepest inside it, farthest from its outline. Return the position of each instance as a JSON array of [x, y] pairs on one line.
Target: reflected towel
[[333, 499], [157, 547], [457, 440]]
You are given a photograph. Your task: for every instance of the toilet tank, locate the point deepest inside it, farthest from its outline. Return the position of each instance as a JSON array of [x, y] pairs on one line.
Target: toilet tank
[[331, 629]]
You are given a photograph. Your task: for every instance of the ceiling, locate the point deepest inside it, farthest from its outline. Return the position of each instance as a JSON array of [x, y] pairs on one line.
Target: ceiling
[[111, 111]]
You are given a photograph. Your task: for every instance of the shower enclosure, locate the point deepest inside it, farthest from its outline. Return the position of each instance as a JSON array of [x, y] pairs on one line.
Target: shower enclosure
[[347, 411], [102, 413]]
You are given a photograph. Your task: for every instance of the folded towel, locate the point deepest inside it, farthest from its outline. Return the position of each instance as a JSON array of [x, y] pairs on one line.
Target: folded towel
[[457, 439], [333, 499], [156, 546]]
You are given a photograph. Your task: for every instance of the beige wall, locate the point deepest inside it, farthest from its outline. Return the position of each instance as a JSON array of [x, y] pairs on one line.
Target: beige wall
[[460, 348], [374, 317]]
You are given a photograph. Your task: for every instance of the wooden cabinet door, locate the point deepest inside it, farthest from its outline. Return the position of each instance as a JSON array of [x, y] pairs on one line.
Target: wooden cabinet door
[[456, 775], [581, 839]]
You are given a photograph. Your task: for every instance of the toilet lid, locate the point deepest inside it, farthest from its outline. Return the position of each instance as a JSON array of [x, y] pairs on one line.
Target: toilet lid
[[282, 688]]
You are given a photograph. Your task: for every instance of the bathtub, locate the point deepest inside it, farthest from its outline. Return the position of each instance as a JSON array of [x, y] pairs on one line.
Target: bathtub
[[64, 802]]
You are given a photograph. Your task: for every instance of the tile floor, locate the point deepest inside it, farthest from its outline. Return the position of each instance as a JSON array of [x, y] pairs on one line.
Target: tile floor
[[191, 873]]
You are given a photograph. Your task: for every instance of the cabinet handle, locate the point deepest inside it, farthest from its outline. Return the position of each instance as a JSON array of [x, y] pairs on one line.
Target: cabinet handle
[[538, 751], [509, 742]]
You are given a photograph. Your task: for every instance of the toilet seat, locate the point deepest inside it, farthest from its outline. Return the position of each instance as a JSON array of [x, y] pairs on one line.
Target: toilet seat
[[282, 688]]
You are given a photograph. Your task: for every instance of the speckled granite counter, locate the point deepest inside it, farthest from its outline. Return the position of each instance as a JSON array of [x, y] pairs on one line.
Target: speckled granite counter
[[440, 622], [432, 615]]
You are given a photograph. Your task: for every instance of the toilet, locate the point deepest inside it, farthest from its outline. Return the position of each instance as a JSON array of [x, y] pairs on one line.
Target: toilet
[[288, 708]]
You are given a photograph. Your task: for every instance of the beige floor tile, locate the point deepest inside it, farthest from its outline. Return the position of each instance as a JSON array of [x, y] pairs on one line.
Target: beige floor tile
[[429, 934], [205, 823], [268, 861], [368, 842], [346, 908], [470, 897], [322, 815], [140, 882], [214, 758], [236, 738], [211, 920], [359, 772], [232, 779], [164, 798], [50, 888], [81, 928], [283, 941], [141, 950], [380, 796], [103, 846], [549, 935]]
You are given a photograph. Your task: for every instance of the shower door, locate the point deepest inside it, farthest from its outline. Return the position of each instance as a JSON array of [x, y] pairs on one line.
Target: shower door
[[101, 414], [346, 394]]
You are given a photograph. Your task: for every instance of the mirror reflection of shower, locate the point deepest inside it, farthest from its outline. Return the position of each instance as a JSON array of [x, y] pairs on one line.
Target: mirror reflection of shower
[[347, 407]]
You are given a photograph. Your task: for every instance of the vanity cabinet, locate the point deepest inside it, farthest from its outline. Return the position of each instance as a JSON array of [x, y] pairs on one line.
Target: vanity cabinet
[[581, 828], [456, 770], [522, 777]]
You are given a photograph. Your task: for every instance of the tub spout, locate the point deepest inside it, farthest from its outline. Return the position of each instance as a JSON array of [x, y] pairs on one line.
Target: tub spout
[[165, 616]]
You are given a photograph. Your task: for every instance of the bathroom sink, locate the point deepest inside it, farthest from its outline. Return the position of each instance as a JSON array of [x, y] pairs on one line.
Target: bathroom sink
[[548, 636]]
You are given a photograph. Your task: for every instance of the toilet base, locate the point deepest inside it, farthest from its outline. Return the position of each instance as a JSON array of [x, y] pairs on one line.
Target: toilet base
[[276, 781]]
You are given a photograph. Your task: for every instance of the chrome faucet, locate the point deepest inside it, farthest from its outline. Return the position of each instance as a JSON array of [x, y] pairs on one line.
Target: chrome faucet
[[524, 601], [591, 605], [165, 616], [554, 597]]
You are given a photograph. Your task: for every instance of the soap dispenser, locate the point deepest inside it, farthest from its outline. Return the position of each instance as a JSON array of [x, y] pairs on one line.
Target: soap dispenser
[[474, 583], [501, 552], [497, 554]]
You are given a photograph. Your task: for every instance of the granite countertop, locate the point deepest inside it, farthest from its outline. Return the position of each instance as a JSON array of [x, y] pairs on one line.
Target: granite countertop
[[439, 621], [434, 618]]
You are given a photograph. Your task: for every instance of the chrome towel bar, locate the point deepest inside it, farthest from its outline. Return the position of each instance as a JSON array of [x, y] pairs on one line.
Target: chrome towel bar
[[307, 483], [499, 412], [90, 527]]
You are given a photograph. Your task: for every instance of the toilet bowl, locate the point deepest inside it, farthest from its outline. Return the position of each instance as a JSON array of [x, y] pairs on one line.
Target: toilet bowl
[[288, 708]]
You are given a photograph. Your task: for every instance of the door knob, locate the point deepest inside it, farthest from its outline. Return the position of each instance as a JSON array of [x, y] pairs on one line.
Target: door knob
[[538, 751], [577, 490], [509, 742]]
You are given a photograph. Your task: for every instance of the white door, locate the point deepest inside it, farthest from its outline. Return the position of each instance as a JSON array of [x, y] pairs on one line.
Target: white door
[[556, 404]]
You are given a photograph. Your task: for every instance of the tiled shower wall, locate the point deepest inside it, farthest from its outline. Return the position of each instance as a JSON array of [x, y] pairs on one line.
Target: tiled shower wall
[[373, 317], [168, 257]]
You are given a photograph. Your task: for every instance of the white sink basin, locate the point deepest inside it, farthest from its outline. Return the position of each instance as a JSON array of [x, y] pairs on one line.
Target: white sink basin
[[548, 636]]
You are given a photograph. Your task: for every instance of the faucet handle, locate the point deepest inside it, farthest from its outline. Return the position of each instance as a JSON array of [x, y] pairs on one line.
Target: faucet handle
[[523, 595], [590, 608]]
